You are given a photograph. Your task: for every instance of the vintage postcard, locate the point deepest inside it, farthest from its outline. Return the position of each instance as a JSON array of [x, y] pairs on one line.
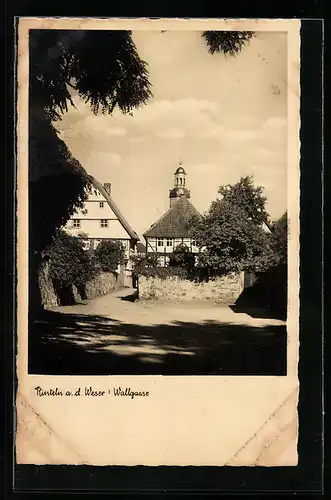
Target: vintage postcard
[[158, 241]]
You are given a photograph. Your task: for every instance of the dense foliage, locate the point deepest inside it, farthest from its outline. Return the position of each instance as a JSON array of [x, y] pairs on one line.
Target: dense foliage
[[249, 198], [57, 183], [148, 266], [110, 254], [144, 261], [227, 42], [184, 259], [103, 66], [69, 263], [164, 272], [231, 233], [280, 240], [270, 288]]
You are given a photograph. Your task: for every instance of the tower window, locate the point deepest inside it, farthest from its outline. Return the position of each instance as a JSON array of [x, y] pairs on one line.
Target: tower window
[[101, 204], [180, 181], [183, 182], [160, 242], [104, 223], [76, 223], [169, 242]]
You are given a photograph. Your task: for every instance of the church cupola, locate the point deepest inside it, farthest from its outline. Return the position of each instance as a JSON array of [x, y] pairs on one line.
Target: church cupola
[[179, 190]]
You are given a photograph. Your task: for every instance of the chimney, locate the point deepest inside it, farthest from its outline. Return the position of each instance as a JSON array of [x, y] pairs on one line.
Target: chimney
[[107, 187]]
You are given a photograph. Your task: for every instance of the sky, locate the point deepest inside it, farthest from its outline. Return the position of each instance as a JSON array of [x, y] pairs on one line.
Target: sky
[[222, 117]]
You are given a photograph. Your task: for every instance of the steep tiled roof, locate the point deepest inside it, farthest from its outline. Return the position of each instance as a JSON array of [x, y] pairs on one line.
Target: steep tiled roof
[[175, 223], [114, 208], [141, 247]]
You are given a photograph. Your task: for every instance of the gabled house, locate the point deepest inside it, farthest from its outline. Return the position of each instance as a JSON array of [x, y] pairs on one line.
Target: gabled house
[[101, 219], [141, 249], [172, 230]]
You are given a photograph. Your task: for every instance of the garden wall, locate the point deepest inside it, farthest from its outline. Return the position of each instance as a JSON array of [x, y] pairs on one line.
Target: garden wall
[[223, 290], [49, 298], [101, 285]]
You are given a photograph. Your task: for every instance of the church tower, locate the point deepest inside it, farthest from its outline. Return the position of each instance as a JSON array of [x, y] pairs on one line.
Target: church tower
[[179, 190]]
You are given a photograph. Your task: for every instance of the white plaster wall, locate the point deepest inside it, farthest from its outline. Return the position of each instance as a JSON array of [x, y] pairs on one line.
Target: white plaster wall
[[93, 229], [92, 210]]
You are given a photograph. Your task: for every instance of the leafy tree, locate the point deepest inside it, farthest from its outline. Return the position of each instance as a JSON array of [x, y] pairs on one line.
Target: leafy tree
[[279, 240], [249, 198], [182, 257], [57, 183], [231, 235], [110, 254], [227, 42], [69, 263]]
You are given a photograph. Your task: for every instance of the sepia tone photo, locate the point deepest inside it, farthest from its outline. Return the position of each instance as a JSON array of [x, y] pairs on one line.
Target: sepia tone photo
[[157, 169]]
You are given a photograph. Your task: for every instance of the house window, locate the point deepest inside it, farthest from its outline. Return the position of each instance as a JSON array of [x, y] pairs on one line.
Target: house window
[[104, 223], [160, 242], [76, 223], [101, 204], [194, 244], [169, 242]]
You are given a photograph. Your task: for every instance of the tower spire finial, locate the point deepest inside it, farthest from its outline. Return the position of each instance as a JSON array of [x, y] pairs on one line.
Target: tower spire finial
[[179, 190]]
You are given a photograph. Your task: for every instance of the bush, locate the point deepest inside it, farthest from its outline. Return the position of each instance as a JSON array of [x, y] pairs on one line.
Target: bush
[[164, 272], [183, 258], [69, 263], [110, 254], [146, 261]]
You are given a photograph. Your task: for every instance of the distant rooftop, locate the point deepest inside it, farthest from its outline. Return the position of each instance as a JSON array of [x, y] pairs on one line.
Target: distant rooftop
[[175, 223]]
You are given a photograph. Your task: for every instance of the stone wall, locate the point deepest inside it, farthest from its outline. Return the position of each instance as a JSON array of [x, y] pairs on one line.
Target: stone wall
[[101, 285], [223, 290], [49, 298]]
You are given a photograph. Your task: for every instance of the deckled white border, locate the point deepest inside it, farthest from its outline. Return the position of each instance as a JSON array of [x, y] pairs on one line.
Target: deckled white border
[[224, 432]]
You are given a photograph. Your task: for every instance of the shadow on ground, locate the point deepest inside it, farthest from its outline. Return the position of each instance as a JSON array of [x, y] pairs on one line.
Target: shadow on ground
[[256, 311], [130, 298], [77, 344], [267, 297]]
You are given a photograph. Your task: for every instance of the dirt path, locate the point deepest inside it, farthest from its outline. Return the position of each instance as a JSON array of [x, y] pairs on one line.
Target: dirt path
[[115, 335], [117, 305]]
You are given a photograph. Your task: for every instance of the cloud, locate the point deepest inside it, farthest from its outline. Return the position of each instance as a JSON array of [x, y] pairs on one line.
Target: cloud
[[243, 135], [136, 140], [106, 158], [115, 131], [189, 115], [174, 133], [212, 133]]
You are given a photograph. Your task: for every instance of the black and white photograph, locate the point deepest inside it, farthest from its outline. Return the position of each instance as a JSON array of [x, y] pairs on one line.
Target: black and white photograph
[[158, 208], [157, 202]]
